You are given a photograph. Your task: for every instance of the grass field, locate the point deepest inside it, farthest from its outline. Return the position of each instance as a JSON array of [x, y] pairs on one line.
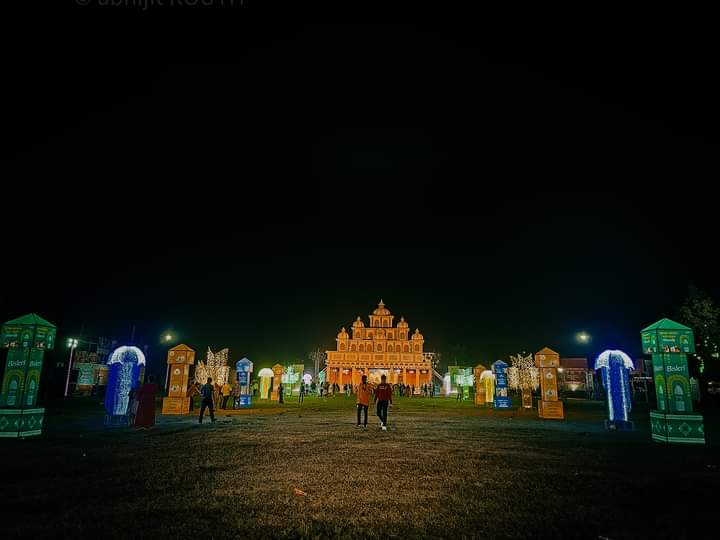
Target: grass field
[[443, 470]]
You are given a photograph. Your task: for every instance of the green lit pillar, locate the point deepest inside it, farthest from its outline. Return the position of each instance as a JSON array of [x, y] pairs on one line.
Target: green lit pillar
[[26, 338], [673, 421]]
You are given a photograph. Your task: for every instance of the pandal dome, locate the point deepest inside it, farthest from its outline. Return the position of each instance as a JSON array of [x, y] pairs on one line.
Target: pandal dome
[[381, 309]]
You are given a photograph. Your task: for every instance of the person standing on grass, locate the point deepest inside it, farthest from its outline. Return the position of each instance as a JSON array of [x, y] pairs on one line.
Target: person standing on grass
[[280, 393], [363, 399], [301, 397], [460, 393], [226, 389], [145, 397], [207, 392], [383, 398]]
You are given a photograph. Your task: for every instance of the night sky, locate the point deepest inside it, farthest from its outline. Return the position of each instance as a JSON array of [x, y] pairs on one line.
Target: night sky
[[259, 184]]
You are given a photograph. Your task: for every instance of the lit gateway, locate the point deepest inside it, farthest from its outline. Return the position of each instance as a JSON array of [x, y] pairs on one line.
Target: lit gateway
[[380, 349]]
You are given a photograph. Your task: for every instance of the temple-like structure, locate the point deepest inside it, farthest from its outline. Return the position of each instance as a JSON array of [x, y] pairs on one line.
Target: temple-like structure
[[378, 349]]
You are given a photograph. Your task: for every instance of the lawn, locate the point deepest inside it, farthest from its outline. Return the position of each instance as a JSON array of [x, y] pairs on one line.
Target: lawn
[[444, 470]]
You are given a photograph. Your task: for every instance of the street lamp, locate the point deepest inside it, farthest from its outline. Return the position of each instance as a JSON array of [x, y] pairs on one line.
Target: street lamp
[[167, 338], [583, 337], [72, 344]]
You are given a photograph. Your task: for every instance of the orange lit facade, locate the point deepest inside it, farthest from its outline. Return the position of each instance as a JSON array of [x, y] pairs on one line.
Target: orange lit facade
[[378, 349]]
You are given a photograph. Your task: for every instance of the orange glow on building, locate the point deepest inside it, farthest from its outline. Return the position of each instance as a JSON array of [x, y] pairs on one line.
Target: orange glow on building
[[378, 349]]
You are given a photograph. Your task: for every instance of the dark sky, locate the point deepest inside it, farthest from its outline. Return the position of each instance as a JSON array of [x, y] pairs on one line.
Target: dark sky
[[257, 183]]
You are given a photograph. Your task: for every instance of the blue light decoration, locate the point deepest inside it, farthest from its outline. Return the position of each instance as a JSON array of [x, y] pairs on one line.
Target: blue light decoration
[[615, 367], [124, 368], [502, 400], [244, 368]]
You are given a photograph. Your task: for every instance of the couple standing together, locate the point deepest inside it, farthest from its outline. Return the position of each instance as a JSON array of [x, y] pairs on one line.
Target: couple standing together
[[383, 398]]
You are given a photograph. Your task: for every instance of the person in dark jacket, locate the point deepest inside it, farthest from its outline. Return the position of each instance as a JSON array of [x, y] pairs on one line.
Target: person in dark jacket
[[206, 392]]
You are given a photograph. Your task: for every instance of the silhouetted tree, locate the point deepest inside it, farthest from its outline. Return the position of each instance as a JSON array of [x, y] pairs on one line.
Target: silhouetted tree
[[699, 313]]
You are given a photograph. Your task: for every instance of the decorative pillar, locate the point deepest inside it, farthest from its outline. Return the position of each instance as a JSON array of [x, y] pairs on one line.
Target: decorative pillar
[[26, 338], [669, 343], [179, 360], [502, 400], [488, 380], [479, 385], [277, 381], [298, 370], [244, 369], [547, 361]]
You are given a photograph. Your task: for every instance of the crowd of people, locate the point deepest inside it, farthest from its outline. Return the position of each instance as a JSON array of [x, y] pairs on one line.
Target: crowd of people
[[334, 389], [222, 394]]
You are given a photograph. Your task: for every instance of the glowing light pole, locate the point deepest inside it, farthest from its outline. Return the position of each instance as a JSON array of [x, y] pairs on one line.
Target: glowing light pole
[[167, 338], [72, 343], [583, 337]]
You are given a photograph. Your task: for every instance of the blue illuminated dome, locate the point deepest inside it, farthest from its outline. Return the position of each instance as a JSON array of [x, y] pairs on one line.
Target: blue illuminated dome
[[615, 366], [123, 374], [127, 355]]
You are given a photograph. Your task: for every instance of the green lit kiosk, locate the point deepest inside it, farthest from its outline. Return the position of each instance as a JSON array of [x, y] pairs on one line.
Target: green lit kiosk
[[26, 338], [669, 343]]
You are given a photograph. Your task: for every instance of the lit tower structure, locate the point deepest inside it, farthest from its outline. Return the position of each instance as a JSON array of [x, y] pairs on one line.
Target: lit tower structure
[[243, 369], [26, 338], [669, 343], [179, 360], [548, 361]]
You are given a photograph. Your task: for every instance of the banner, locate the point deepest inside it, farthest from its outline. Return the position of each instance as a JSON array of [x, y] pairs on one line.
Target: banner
[[667, 336], [672, 383], [86, 373]]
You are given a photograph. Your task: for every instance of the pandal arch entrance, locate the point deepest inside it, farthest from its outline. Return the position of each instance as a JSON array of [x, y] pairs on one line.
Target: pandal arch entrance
[[378, 349]]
